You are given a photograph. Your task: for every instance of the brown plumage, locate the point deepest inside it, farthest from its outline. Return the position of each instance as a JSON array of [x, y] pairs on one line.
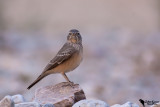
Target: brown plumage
[[67, 59]]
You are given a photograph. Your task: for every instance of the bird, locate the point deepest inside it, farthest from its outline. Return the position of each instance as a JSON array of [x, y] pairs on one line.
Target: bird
[[67, 59]]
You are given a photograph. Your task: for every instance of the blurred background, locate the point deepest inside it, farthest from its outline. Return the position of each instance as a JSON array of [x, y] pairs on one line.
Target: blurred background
[[121, 42]]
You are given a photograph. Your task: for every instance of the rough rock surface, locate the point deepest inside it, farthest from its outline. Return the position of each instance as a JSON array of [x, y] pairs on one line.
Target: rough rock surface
[[48, 105], [28, 104], [18, 99], [91, 103], [64, 94], [127, 104], [7, 102], [156, 105]]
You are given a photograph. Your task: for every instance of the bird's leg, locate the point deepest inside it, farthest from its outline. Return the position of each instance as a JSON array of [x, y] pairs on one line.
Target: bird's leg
[[65, 76]]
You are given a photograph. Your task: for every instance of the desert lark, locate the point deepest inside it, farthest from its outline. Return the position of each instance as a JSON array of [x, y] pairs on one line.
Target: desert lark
[[67, 59]]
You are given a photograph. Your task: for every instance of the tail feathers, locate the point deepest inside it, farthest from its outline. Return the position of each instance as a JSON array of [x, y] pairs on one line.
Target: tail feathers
[[36, 81]]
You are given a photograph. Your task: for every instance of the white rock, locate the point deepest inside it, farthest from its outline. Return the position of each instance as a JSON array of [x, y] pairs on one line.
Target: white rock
[[130, 104], [48, 105], [127, 104], [90, 103], [116, 105], [28, 104], [18, 99], [7, 102], [156, 105]]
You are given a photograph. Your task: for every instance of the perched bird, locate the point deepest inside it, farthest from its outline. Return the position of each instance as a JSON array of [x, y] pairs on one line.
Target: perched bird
[[67, 59]]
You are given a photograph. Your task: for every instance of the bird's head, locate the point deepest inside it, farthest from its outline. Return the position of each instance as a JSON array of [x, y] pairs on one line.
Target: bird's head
[[74, 36]]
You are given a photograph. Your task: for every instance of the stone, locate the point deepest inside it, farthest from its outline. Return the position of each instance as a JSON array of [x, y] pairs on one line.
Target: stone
[[7, 102], [48, 105], [116, 105], [64, 94], [127, 104], [91, 103], [28, 104], [18, 99], [156, 105]]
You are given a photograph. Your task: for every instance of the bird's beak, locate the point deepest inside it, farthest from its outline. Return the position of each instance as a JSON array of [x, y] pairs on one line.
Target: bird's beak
[[74, 34]]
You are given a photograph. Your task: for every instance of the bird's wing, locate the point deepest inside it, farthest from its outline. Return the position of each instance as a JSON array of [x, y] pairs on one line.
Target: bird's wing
[[65, 53]]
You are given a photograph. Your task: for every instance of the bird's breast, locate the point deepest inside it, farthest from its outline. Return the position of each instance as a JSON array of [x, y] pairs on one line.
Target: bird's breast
[[70, 64]]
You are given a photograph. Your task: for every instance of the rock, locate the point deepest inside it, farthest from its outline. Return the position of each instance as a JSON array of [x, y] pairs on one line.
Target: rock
[[48, 105], [127, 104], [7, 102], [64, 94], [18, 99], [116, 105], [28, 104], [156, 105], [91, 103]]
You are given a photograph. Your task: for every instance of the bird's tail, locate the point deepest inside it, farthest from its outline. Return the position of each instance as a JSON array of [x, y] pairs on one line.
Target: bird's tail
[[36, 81]]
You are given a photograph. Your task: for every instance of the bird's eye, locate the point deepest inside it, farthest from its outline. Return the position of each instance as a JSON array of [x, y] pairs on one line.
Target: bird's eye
[[77, 33], [70, 33]]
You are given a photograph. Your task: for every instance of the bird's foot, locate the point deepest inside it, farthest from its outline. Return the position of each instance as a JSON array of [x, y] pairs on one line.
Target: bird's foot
[[71, 84]]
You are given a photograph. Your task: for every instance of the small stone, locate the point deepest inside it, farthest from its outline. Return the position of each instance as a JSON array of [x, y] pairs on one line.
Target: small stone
[[7, 102], [127, 104], [64, 94], [28, 104], [18, 99], [116, 105], [48, 105], [91, 103], [156, 105], [130, 104]]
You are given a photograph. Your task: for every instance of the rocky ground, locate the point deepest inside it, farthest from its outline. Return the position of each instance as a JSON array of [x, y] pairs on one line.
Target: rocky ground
[[61, 95], [64, 95]]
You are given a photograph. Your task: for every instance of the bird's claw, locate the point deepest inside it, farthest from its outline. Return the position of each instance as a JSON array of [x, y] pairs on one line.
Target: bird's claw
[[71, 84]]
